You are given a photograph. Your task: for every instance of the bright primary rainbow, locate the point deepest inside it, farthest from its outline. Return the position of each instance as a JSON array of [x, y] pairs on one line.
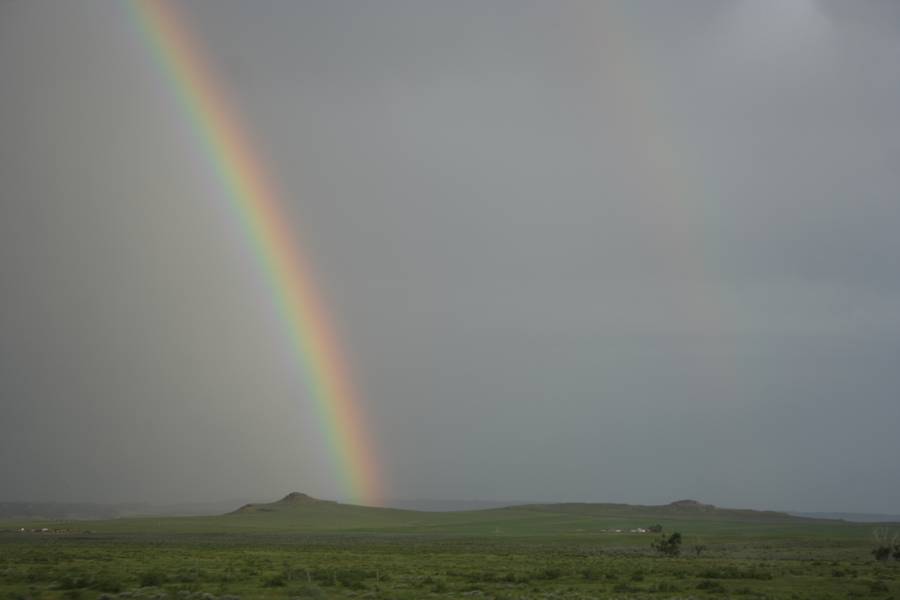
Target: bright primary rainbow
[[252, 194]]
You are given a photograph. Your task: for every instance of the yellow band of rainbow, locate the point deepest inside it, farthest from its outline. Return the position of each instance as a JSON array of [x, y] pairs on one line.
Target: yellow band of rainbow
[[253, 196]]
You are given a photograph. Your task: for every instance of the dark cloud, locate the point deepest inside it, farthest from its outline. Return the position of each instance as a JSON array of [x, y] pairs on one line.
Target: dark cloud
[[872, 16], [623, 251]]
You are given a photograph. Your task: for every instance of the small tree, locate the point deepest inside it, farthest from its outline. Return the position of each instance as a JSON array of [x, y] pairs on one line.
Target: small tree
[[698, 549], [881, 553], [886, 545], [670, 546]]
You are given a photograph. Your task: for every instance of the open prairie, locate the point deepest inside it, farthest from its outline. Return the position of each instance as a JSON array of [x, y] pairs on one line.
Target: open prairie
[[300, 547]]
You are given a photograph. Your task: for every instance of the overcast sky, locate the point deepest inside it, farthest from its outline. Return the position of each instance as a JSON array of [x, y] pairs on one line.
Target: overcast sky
[[599, 251]]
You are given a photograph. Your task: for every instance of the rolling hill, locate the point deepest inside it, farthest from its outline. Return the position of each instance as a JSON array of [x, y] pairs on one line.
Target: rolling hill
[[298, 513]]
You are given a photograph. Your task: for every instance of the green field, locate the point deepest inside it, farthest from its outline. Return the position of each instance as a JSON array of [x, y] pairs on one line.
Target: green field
[[305, 548]]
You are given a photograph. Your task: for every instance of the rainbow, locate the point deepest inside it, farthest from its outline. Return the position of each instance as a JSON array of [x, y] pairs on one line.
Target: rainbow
[[673, 194], [253, 196]]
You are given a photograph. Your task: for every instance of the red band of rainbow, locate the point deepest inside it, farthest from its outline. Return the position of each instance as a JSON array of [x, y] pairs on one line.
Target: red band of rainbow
[[253, 196]]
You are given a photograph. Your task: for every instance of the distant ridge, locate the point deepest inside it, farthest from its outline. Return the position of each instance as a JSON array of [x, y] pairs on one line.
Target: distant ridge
[[300, 505], [298, 512], [850, 516], [301, 509], [437, 505], [96, 510], [67, 510], [292, 499], [687, 509], [691, 505]]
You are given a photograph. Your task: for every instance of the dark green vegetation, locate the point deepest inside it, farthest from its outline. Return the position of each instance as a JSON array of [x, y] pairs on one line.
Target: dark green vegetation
[[300, 547]]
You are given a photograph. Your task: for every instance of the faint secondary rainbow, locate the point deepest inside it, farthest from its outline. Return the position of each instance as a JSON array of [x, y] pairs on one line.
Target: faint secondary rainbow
[[252, 194], [673, 194]]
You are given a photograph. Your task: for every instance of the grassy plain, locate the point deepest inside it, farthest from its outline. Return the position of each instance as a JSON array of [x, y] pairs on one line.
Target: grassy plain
[[303, 548]]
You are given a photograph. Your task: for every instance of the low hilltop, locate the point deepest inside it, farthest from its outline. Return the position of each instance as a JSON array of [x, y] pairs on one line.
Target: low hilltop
[[290, 500], [298, 511]]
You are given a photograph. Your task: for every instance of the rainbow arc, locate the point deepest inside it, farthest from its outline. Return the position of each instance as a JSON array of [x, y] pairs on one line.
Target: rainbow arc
[[250, 191]]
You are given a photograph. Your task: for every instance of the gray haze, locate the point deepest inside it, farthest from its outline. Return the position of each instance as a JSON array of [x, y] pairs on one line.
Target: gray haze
[[600, 251]]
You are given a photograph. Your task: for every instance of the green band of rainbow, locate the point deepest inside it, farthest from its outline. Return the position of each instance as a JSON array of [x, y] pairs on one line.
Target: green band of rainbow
[[251, 193]]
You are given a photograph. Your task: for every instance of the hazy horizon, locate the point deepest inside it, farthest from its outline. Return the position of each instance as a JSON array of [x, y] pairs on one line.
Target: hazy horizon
[[622, 251], [222, 506]]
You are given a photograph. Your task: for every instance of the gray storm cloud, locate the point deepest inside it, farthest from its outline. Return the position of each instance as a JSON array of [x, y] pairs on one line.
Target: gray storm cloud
[[629, 251]]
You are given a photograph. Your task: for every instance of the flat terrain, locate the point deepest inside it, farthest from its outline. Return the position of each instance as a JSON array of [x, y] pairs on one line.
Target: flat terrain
[[300, 547]]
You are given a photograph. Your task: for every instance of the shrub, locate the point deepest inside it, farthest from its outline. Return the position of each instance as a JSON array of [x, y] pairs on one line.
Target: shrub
[[882, 553], [485, 576], [152, 579], [352, 579], [104, 582], [309, 591], [186, 576], [670, 546], [549, 573], [887, 544], [72, 582], [711, 586], [666, 587], [729, 572], [274, 581]]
